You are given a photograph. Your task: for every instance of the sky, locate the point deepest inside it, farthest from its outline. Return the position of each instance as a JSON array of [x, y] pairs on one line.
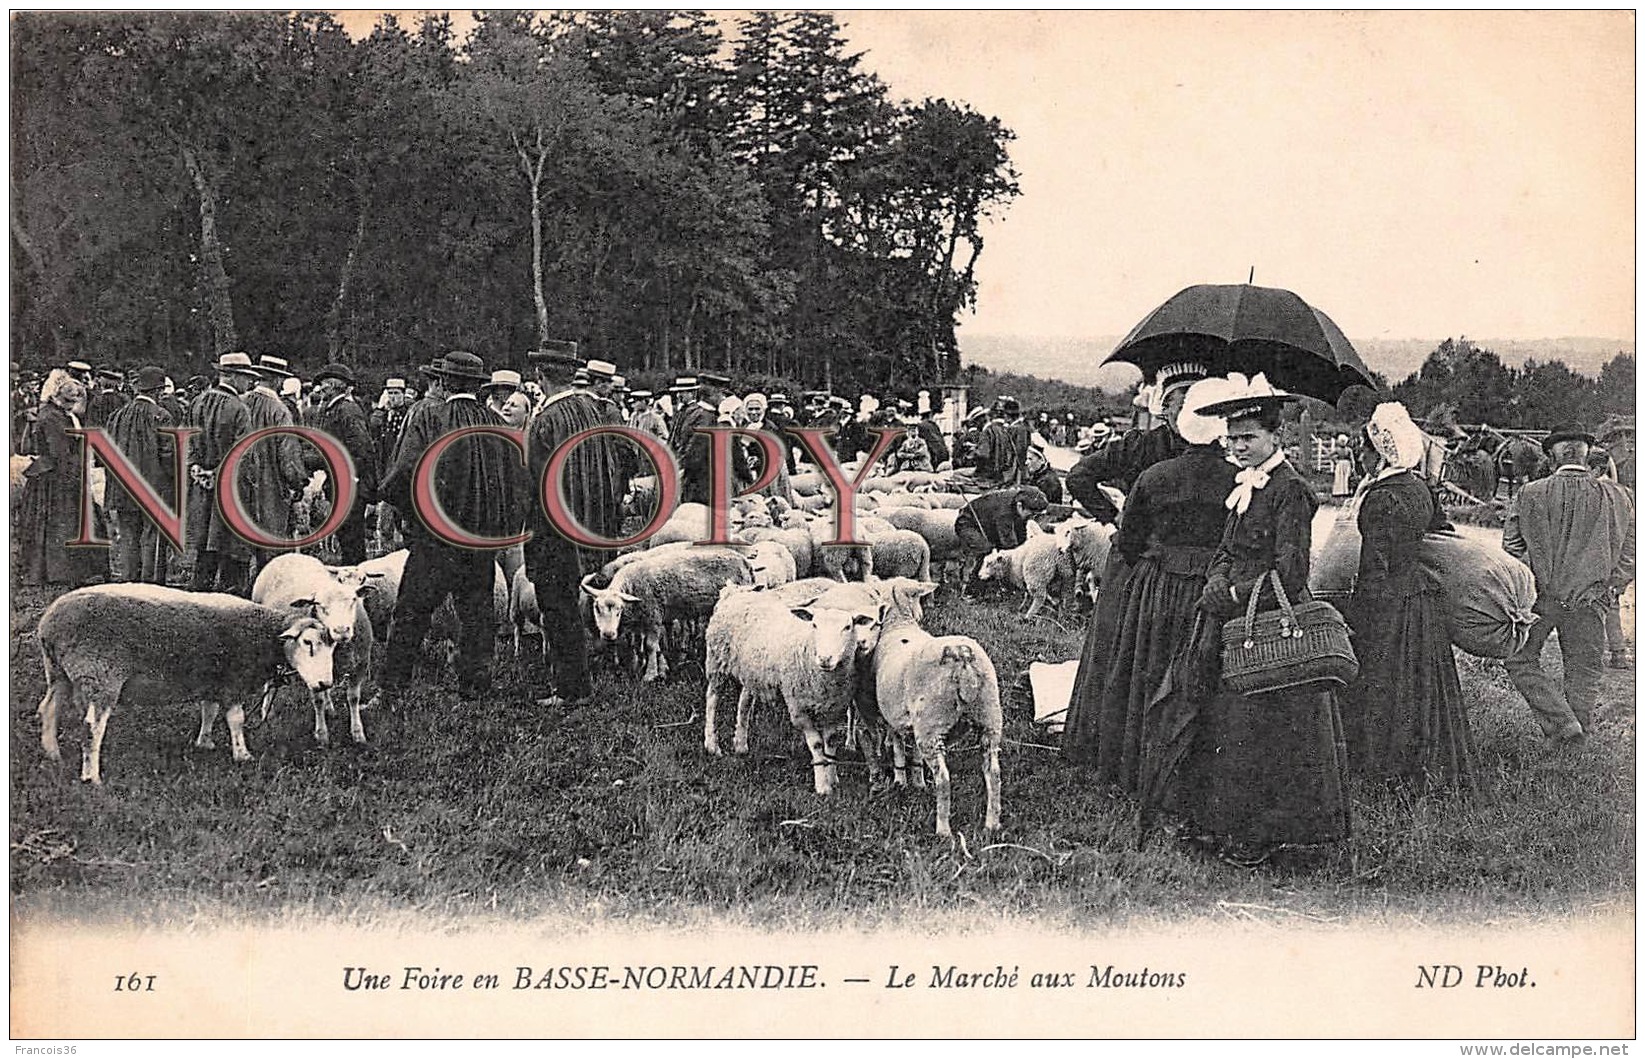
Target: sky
[[1411, 174]]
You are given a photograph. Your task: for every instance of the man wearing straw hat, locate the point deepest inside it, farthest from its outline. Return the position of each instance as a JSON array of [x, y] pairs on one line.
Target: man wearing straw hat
[[481, 488], [219, 413]]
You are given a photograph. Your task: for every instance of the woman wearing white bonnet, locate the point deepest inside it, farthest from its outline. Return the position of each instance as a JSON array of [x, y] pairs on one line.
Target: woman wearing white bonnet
[[1404, 718], [1172, 524]]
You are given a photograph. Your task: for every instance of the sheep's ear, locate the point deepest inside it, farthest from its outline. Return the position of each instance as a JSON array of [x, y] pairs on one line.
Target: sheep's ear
[[299, 603], [626, 598], [922, 589], [801, 613], [292, 631]]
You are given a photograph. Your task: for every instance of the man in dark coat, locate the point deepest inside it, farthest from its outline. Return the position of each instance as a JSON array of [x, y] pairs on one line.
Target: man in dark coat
[[995, 520], [928, 429], [106, 398], [693, 448], [220, 557], [272, 471], [140, 550], [480, 486], [337, 413], [1003, 447]]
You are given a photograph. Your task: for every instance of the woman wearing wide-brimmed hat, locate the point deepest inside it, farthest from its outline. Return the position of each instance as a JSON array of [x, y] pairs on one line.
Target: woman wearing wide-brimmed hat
[[1250, 774]]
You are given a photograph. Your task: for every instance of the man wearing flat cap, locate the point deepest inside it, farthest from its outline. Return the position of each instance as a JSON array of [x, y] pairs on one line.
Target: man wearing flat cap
[[140, 552], [593, 483], [272, 471], [480, 486], [220, 557], [338, 413], [1576, 533]]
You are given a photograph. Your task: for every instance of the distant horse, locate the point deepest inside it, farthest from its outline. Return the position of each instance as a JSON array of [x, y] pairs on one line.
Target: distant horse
[[1474, 471], [1518, 460]]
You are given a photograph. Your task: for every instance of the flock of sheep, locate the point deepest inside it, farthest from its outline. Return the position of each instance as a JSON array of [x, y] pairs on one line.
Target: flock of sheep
[[781, 617]]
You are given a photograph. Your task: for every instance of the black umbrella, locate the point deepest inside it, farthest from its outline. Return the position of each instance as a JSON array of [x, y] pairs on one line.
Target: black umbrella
[[1239, 327]]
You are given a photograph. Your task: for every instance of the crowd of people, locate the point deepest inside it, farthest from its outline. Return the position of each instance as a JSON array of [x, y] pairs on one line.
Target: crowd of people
[[1215, 512], [1212, 520]]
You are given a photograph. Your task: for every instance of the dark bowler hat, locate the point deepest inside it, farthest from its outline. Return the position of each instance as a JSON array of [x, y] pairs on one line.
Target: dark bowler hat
[[556, 351], [458, 366], [1573, 432], [149, 378], [340, 372]]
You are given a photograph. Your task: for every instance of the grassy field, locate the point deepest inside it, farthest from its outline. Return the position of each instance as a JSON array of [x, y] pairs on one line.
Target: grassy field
[[501, 811]]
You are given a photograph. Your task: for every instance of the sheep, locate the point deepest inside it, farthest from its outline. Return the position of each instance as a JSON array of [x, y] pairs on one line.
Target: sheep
[[1033, 566], [193, 645], [804, 655], [771, 563], [334, 595], [899, 553], [660, 585], [523, 609], [924, 685], [841, 562], [936, 526], [1086, 544], [814, 502], [946, 501], [382, 581]]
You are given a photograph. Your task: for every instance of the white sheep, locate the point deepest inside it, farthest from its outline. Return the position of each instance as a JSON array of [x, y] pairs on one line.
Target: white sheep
[[771, 563], [899, 553], [803, 655], [111, 644], [924, 685], [524, 610], [334, 596], [1032, 566], [1086, 543], [657, 586], [936, 526]]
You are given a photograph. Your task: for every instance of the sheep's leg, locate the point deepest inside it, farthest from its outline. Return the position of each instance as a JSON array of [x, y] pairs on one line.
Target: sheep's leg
[[356, 691], [236, 717], [822, 770], [991, 780], [711, 701], [208, 717], [321, 701], [99, 704], [48, 716], [931, 751], [655, 667], [270, 689], [516, 640], [745, 713], [899, 759], [1036, 600]]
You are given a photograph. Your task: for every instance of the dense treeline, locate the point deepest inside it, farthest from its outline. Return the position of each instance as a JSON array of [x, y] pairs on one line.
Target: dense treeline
[[1481, 389], [672, 195]]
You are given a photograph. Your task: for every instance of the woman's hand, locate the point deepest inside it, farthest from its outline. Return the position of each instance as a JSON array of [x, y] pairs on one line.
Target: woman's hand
[[1218, 599]]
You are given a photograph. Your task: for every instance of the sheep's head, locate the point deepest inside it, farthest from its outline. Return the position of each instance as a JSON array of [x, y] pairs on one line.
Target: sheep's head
[[833, 634], [608, 604], [994, 564], [334, 602], [905, 595], [308, 650]]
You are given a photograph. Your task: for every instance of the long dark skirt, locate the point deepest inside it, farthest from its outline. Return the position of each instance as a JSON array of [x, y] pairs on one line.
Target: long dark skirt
[[1082, 728], [1405, 717], [1257, 770], [1156, 611], [48, 518]]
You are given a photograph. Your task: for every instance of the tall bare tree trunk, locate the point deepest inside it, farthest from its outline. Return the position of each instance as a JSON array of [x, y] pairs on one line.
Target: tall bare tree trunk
[[334, 316], [219, 302], [533, 169]]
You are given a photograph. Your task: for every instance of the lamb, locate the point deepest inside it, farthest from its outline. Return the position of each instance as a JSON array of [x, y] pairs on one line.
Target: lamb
[[523, 609], [1086, 543], [1033, 566], [207, 646], [334, 596], [657, 586], [803, 655], [924, 685]]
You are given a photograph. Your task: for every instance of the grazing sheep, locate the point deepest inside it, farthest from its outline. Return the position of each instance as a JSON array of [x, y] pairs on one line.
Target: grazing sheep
[[899, 553], [334, 597], [947, 501], [771, 563], [936, 526], [811, 484], [814, 502], [657, 586], [194, 646], [1033, 566], [924, 685], [803, 655]]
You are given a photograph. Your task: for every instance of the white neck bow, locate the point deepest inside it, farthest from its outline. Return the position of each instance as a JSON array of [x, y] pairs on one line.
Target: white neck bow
[[1249, 480]]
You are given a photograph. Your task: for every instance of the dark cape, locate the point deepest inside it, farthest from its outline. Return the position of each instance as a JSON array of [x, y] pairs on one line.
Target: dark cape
[[1173, 523], [272, 468], [345, 420], [480, 481], [49, 510], [595, 476], [1405, 718], [1118, 464], [135, 431], [1255, 770]]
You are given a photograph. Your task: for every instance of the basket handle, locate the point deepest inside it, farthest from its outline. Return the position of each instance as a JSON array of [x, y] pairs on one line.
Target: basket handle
[[1288, 617]]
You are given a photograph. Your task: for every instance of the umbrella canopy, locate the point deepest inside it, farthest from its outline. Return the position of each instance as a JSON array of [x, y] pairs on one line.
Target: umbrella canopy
[[1239, 327]]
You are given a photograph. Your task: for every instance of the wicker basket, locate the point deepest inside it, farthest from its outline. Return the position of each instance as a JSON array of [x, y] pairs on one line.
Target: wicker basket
[[1286, 648]]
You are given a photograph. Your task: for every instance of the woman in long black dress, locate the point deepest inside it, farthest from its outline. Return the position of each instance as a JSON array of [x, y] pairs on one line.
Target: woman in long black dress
[[1404, 717], [49, 509], [1252, 772], [1172, 525]]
